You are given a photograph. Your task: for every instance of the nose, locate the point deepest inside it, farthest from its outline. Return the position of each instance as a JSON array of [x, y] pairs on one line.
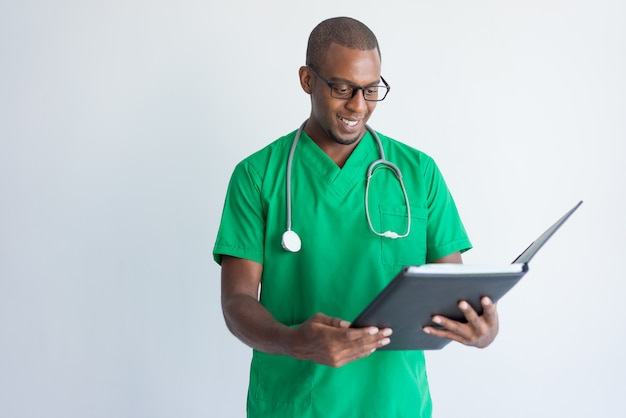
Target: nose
[[357, 103]]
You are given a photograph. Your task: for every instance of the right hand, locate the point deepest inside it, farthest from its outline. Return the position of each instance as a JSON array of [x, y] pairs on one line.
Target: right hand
[[332, 342]]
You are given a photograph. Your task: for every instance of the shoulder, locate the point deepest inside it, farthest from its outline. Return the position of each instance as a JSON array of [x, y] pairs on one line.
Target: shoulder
[[267, 158], [406, 155]]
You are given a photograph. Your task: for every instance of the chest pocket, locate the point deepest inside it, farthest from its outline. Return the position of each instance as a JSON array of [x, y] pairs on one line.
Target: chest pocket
[[410, 250]]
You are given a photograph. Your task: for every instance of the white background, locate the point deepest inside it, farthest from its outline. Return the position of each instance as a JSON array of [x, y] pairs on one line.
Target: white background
[[121, 121]]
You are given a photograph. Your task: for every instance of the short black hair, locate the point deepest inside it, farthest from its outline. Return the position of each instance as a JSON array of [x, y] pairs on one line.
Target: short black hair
[[344, 31]]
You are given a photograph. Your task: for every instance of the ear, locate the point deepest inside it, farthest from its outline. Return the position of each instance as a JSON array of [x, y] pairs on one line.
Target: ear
[[306, 79]]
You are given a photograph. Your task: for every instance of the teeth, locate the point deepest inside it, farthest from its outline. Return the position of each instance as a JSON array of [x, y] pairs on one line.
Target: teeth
[[349, 122]]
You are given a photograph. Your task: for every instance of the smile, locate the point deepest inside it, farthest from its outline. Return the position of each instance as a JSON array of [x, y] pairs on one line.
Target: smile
[[350, 123]]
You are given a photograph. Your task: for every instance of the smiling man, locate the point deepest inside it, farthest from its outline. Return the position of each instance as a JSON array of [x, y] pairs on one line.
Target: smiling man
[[302, 225]]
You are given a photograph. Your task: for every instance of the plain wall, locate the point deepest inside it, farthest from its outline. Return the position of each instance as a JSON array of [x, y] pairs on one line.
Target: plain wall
[[121, 122]]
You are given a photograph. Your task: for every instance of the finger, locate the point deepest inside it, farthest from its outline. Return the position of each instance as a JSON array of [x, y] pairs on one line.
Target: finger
[[358, 348], [356, 334], [381, 339], [451, 329], [470, 314], [444, 333], [353, 356], [370, 341], [367, 346], [347, 333], [331, 321], [479, 330], [339, 323], [490, 310], [447, 324]]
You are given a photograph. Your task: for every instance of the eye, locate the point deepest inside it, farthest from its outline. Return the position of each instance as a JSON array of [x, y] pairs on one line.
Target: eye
[[342, 90]]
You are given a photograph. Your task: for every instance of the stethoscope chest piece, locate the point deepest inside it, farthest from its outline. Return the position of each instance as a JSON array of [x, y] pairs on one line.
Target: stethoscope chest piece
[[291, 241]]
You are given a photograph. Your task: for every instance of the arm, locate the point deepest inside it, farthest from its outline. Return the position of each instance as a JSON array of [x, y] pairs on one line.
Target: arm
[[451, 258], [321, 338], [479, 331]]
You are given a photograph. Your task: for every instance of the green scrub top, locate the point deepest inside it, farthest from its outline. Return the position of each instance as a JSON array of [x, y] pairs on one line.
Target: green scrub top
[[341, 267]]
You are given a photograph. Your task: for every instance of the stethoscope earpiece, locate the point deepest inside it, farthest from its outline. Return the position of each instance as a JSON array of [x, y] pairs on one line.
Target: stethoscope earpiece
[[291, 241]]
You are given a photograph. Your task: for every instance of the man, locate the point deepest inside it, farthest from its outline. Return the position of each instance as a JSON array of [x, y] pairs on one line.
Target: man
[[307, 362]]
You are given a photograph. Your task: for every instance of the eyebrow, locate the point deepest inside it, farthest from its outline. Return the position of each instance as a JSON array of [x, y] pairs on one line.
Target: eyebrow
[[338, 80]]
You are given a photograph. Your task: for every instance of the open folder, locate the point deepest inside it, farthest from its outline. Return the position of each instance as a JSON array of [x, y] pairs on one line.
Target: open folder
[[410, 300]]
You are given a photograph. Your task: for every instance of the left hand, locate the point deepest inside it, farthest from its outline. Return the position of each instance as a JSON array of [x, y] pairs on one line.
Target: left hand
[[479, 331]]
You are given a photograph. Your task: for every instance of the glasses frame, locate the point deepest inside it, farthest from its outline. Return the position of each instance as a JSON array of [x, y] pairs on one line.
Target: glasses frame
[[354, 87]]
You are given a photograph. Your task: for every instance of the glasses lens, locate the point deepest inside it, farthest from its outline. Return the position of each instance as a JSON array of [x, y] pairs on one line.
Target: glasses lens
[[342, 91], [375, 93], [347, 92]]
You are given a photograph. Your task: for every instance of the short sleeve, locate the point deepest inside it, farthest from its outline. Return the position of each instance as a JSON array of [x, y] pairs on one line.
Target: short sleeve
[[242, 227], [446, 233]]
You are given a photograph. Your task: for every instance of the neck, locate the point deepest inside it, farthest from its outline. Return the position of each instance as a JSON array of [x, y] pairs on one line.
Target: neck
[[336, 151]]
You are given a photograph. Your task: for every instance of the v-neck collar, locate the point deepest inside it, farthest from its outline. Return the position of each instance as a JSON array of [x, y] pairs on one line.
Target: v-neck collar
[[339, 179]]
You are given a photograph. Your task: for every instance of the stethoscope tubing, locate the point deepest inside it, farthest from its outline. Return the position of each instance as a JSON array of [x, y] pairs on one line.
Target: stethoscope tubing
[[291, 240]]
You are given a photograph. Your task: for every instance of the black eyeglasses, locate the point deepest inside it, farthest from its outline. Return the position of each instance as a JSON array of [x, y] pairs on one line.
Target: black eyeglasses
[[345, 91]]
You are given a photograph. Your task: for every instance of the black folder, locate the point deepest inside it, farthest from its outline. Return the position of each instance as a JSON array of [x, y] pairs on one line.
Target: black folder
[[410, 300]]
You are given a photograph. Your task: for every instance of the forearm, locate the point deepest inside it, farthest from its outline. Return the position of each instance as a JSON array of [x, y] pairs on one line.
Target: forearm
[[254, 325], [320, 338]]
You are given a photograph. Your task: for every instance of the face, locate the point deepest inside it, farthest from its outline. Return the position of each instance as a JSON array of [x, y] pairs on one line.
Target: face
[[334, 120]]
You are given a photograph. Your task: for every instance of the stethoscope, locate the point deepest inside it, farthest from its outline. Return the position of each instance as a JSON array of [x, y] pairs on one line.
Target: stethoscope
[[291, 240]]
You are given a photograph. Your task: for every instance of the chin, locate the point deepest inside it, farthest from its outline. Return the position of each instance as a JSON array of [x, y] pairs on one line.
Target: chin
[[343, 140]]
